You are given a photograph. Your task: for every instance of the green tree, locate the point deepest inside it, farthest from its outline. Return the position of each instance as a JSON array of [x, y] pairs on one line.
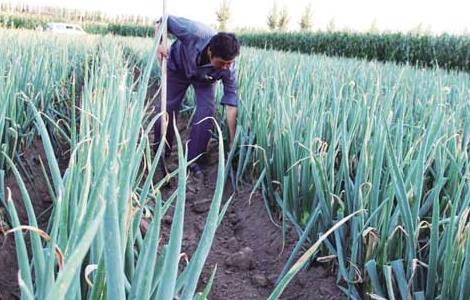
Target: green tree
[[306, 19], [223, 15], [331, 25], [283, 19], [417, 30], [466, 32], [374, 28], [273, 17]]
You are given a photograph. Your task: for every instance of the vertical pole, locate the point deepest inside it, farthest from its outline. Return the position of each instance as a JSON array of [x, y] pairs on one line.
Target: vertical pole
[[164, 121]]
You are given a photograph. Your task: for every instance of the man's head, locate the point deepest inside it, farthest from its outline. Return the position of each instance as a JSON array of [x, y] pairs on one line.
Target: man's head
[[223, 49]]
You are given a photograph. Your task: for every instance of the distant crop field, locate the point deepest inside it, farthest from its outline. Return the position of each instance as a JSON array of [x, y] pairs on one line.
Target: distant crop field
[[444, 51]]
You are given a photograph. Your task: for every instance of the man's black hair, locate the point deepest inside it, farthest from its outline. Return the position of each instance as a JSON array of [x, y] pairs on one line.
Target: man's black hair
[[225, 45]]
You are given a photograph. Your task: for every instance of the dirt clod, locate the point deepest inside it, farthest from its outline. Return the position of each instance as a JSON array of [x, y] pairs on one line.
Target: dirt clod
[[259, 280], [242, 259], [232, 243], [233, 218], [201, 206], [167, 220]]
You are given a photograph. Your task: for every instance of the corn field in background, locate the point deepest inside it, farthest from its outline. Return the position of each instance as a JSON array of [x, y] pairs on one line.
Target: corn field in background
[[444, 51], [337, 136], [322, 138]]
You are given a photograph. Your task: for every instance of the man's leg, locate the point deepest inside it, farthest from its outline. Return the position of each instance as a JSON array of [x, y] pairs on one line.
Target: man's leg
[[177, 85], [201, 131]]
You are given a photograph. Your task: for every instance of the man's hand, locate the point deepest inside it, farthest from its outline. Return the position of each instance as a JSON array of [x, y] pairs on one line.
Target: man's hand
[[162, 52], [231, 122]]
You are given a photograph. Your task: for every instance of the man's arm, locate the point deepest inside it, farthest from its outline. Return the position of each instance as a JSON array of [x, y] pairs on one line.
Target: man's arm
[[231, 112], [230, 100], [186, 30]]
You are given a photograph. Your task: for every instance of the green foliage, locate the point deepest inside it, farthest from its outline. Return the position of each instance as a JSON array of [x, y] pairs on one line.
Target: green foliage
[[273, 17], [18, 21], [130, 30], [306, 19], [69, 14], [278, 20], [39, 22], [223, 15], [444, 51], [283, 21], [331, 26]]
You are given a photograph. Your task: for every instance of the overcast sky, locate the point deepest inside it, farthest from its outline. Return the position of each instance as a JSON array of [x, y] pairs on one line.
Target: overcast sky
[[396, 15]]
